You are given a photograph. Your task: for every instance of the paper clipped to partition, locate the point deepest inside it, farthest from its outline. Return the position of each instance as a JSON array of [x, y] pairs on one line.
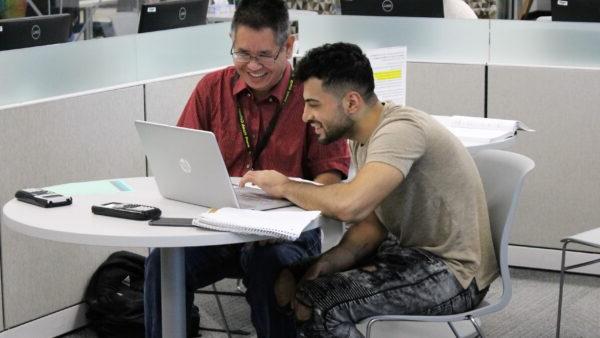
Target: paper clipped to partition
[[389, 71], [479, 130], [277, 224]]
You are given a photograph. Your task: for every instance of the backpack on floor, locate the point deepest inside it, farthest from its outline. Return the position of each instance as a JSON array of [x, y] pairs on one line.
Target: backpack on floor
[[115, 298]]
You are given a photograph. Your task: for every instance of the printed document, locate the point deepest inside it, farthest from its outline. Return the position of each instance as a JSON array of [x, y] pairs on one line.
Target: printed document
[[389, 71]]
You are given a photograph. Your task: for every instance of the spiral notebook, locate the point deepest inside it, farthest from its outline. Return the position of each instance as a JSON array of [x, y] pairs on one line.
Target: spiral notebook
[[286, 225]]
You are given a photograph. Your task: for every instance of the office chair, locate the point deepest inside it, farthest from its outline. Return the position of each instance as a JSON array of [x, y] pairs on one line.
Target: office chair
[[239, 292], [502, 174], [589, 238]]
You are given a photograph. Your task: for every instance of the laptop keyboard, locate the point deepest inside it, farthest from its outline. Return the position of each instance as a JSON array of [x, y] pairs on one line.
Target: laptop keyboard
[[252, 198], [251, 193]]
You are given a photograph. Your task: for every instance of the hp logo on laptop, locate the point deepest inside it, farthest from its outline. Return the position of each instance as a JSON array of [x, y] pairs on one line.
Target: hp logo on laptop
[[387, 6], [182, 13], [185, 165], [36, 32]]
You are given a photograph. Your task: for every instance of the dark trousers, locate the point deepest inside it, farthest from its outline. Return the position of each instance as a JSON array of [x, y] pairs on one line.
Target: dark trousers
[[394, 281], [258, 265]]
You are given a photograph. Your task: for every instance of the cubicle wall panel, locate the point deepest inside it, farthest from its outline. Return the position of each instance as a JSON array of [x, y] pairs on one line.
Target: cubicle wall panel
[[446, 89], [72, 139], [561, 195], [43, 277], [166, 99]]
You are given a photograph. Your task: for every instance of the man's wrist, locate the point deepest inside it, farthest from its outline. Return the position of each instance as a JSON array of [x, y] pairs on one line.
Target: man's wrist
[[287, 188], [298, 269]]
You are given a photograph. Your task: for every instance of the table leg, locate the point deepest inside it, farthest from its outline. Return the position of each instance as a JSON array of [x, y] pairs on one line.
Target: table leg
[[172, 278]]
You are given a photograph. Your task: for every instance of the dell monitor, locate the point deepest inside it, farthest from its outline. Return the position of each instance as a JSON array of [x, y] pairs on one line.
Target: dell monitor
[[34, 31], [418, 8], [173, 14], [576, 10]]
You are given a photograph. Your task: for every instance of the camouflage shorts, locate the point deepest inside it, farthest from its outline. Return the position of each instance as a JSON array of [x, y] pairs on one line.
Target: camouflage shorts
[[395, 281]]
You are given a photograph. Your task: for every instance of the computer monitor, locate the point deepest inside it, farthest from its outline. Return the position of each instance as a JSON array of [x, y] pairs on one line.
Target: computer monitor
[[420, 8], [173, 14], [34, 31], [576, 10]]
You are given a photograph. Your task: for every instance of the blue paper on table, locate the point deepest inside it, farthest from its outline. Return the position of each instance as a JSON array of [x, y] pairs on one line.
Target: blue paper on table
[[90, 188]]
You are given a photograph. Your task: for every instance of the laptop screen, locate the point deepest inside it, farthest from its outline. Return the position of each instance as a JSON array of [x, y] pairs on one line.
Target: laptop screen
[[416, 8], [173, 14]]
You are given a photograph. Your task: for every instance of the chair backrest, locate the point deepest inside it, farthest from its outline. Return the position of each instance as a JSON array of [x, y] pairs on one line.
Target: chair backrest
[[502, 174]]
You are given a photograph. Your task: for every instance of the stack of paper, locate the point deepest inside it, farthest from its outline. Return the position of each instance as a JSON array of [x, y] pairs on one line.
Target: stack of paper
[[278, 224], [478, 130]]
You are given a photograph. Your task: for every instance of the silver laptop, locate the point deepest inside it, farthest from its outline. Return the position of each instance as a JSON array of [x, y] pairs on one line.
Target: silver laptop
[[188, 167]]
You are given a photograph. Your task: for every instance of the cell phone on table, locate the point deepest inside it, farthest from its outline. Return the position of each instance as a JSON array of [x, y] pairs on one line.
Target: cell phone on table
[[173, 222], [42, 198], [133, 211]]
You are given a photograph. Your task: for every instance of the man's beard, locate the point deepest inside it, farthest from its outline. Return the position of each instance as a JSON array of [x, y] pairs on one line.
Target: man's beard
[[338, 129]]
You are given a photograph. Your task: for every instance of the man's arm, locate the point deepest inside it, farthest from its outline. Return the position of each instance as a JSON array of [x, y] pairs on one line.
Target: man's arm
[[360, 241], [329, 177], [349, 202]]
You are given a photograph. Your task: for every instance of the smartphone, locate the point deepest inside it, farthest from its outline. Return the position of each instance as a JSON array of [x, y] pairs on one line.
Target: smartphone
[[42, 198], [173, 222], [133, 211]]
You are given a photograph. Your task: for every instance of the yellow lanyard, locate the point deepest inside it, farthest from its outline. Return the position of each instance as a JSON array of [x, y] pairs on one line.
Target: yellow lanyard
[[262, 142]]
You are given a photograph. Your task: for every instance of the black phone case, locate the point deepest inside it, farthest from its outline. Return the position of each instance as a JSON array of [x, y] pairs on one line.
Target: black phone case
[[30, 198], [173, 222], [127, 214]]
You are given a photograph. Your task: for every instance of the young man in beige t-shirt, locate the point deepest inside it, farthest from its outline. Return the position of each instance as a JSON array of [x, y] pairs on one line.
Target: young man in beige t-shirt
[[420, 242]]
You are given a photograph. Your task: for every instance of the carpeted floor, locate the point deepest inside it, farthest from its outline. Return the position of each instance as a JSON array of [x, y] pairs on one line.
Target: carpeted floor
[[533, 307], [531, 312]]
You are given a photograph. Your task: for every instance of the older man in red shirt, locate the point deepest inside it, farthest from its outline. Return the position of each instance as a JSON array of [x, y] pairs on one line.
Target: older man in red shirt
[[255, 110]]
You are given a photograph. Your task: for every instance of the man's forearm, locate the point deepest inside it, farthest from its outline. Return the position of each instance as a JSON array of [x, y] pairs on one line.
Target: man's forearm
[[348, 202], [340, 259], [329, 199], [329, 177], [358, 243]]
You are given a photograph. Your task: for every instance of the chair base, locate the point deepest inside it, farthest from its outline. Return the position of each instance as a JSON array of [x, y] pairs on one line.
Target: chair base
[[217, 293], [230, 332], [419, 329]]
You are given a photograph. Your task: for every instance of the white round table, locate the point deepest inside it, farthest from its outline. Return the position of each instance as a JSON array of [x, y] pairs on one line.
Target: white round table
[[76, 224]]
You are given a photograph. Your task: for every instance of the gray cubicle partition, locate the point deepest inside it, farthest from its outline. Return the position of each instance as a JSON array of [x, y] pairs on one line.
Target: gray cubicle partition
[[446, 89], [561, 197], [548, 75], [164, 108], [79, 138]]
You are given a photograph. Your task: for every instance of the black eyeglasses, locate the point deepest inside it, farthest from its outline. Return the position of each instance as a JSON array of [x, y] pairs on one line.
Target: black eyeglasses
[[245, 57]]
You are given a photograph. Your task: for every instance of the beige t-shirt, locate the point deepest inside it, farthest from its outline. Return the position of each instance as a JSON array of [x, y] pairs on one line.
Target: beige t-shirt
[[440, 205]]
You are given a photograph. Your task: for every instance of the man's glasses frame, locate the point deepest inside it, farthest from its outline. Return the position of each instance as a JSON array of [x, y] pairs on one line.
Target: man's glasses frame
[[245, 57]]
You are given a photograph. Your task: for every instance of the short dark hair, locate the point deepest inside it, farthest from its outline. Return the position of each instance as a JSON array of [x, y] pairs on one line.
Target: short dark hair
[[259, 14], [341, 66]]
